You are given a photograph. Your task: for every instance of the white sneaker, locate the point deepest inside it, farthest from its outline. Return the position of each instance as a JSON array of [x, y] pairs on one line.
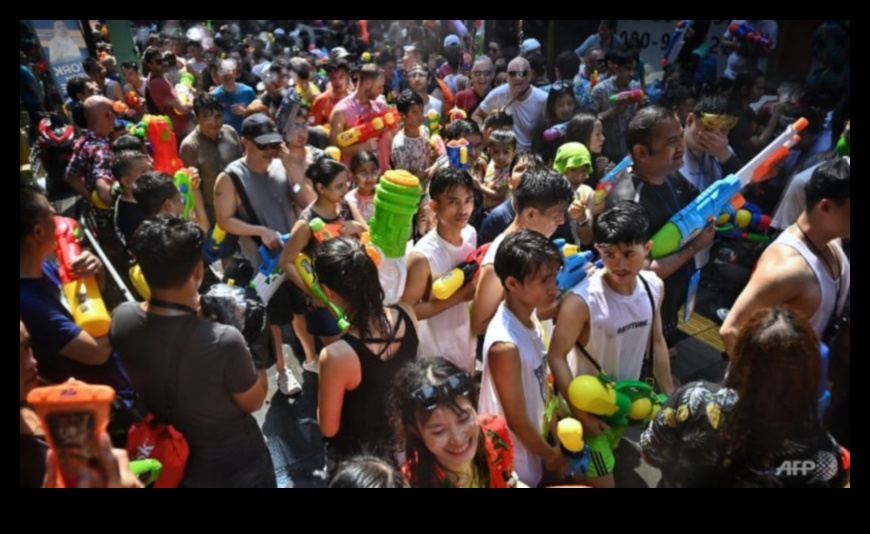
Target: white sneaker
[[288, 385], [312, 367]]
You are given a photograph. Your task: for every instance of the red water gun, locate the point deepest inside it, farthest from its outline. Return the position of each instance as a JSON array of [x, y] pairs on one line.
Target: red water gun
[[629, 97], [164, 145], [83, 295], [134, 100], [749, 35], [447, 286], [370, 127]]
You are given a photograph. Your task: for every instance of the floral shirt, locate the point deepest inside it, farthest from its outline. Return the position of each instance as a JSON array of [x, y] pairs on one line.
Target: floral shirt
[[686, 443], [497, 180], [91, 160]]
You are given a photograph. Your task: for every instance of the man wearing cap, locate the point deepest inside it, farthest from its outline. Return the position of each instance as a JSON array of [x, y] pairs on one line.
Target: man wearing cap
[[482, 76], [255, 200], [234, 97], [575, 162], [529, 46], [366, 100], [527, 104], [453, 55]]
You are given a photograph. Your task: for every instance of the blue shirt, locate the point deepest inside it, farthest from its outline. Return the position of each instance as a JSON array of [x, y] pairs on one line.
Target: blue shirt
[[29, 88], [51, 326], [501, 218], [243, 95], [594, 41]]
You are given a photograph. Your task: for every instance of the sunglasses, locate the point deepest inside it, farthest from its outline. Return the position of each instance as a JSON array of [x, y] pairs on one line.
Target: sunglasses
[[418, 75], [482, 73], [522, 74], [430, 397], [272, 146], [719, 121], [559, 86]]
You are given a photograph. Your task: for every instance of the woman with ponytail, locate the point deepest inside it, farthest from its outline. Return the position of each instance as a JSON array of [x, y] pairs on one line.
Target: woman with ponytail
[[357, 371]]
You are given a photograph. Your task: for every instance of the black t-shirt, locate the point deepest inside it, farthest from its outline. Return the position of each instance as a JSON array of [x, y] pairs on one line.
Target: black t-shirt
[[662, 202], [31, 461], [227, 449], [128, 218]]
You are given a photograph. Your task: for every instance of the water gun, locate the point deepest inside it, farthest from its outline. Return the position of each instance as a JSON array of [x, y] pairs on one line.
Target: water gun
[[686, 225], [146, 471], [269, 276], [119, 107], [140, 284], [576, 266], [324, 232], [628, 97], [182, 182], [83, 295], [746, 224], [333, 152], [457, 153], [608, 183], [438, 145], [213, 248], [98, 202], [370, 128], [305, 267], [397, 198], [678, 38], [433, 121], [556, 132], [593, 80], [619, 404], [134, 100], [844, 147], [748, 35], [570, 434], [164, 144], [447, 286], [184, 89], [457, 114]]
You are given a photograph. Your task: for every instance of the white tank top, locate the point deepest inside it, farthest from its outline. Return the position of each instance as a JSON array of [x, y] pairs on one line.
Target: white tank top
[[448, 334], [834, 292], [620, 325], [506, 328]]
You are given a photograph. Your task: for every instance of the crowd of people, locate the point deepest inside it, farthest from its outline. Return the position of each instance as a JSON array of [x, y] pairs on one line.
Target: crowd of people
[[466, 391]]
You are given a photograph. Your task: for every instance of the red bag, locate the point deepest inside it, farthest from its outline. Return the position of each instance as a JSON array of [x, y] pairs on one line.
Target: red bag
[[150, 440]]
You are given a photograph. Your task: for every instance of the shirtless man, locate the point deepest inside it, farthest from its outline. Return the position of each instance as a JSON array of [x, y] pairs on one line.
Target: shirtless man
[[806, 268]]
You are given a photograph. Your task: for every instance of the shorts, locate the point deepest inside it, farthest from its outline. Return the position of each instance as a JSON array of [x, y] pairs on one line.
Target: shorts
[[603, 461], [287, 302], [321, 323]]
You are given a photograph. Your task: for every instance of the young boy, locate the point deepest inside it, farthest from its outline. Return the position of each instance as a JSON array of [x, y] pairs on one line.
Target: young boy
[[411, 149], [574, 161], [500, 120], [616, 316], [540, 201], [496, 183], [156, 194], [616, 117], [127, 168], [515, 363], [445, 325]]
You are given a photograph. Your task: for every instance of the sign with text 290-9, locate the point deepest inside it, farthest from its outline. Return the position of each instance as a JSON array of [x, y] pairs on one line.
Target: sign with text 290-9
[[655, 36], [63, 47]]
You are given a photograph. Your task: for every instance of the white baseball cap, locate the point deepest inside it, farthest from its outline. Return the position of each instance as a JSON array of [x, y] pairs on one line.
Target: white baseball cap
[[452, 40], [529, 46]]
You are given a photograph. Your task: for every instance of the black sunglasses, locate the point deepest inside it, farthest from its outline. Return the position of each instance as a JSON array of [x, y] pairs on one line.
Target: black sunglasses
[[271, 146], [558, 86], [430, 397], [518, 73]]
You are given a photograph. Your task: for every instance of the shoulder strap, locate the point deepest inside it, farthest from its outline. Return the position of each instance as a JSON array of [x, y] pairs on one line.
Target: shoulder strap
[[246, 202], [652, 303]]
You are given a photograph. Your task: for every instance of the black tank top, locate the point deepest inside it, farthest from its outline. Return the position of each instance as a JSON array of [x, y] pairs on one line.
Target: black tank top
[[365, 422]]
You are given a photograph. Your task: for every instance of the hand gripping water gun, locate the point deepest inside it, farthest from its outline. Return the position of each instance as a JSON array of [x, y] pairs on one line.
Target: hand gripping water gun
[[133, 99], [182, 182], [270, 276], [305, 267], [433, 121], [447, 286], [608, 183], [628, 97], [619, 404], [457, 114], [748, 35], [576, 266], [371, 128], [439, 146], [83, 295], [678, 38], [556, 132], [570, 434], [748, 224], [691, 221], [457, 153], [184, 89], [213, 248]]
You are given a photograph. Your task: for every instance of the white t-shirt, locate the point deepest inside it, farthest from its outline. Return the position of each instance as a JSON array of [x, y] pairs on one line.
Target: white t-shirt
[[448, 334], [434, 105], [489, 257], [506, 328], [736, 62], [620, 325], [530, 115], [794, 201]]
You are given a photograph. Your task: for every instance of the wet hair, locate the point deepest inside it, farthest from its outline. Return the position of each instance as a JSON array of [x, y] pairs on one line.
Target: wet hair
[[30, 209], [363, 158], [206, 103], [568, 64], [370, 73], [367, 472], [832, 181], [407, 99], [131, 65], [124, 161], [620, 57], [324, 171], [503, 137], [565, 89], [461, 129], [448, 179], [78, 85], [714, 105], [498, 120], [776, 358], [677, 94], [408, 418], [580, 129], [527, 155], [640, 129], [537, 62], [523, 254], [152, 190], [543, 188], [343, 265], [126, 143], [626, 223], [168, 250], [91, 66]]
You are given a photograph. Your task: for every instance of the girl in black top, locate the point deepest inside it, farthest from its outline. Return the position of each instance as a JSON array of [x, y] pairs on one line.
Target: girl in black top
[[357, 371]]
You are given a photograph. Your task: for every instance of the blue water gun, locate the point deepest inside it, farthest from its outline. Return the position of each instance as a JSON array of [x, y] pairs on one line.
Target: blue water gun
[[608, 183], [576, 266], [270, 276], [678, 39]]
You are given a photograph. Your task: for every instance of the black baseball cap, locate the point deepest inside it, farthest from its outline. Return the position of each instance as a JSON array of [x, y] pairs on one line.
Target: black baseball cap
[[261, 129]]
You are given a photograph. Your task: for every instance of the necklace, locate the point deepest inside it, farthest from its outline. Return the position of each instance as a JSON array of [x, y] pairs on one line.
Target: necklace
[[835, 274]]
